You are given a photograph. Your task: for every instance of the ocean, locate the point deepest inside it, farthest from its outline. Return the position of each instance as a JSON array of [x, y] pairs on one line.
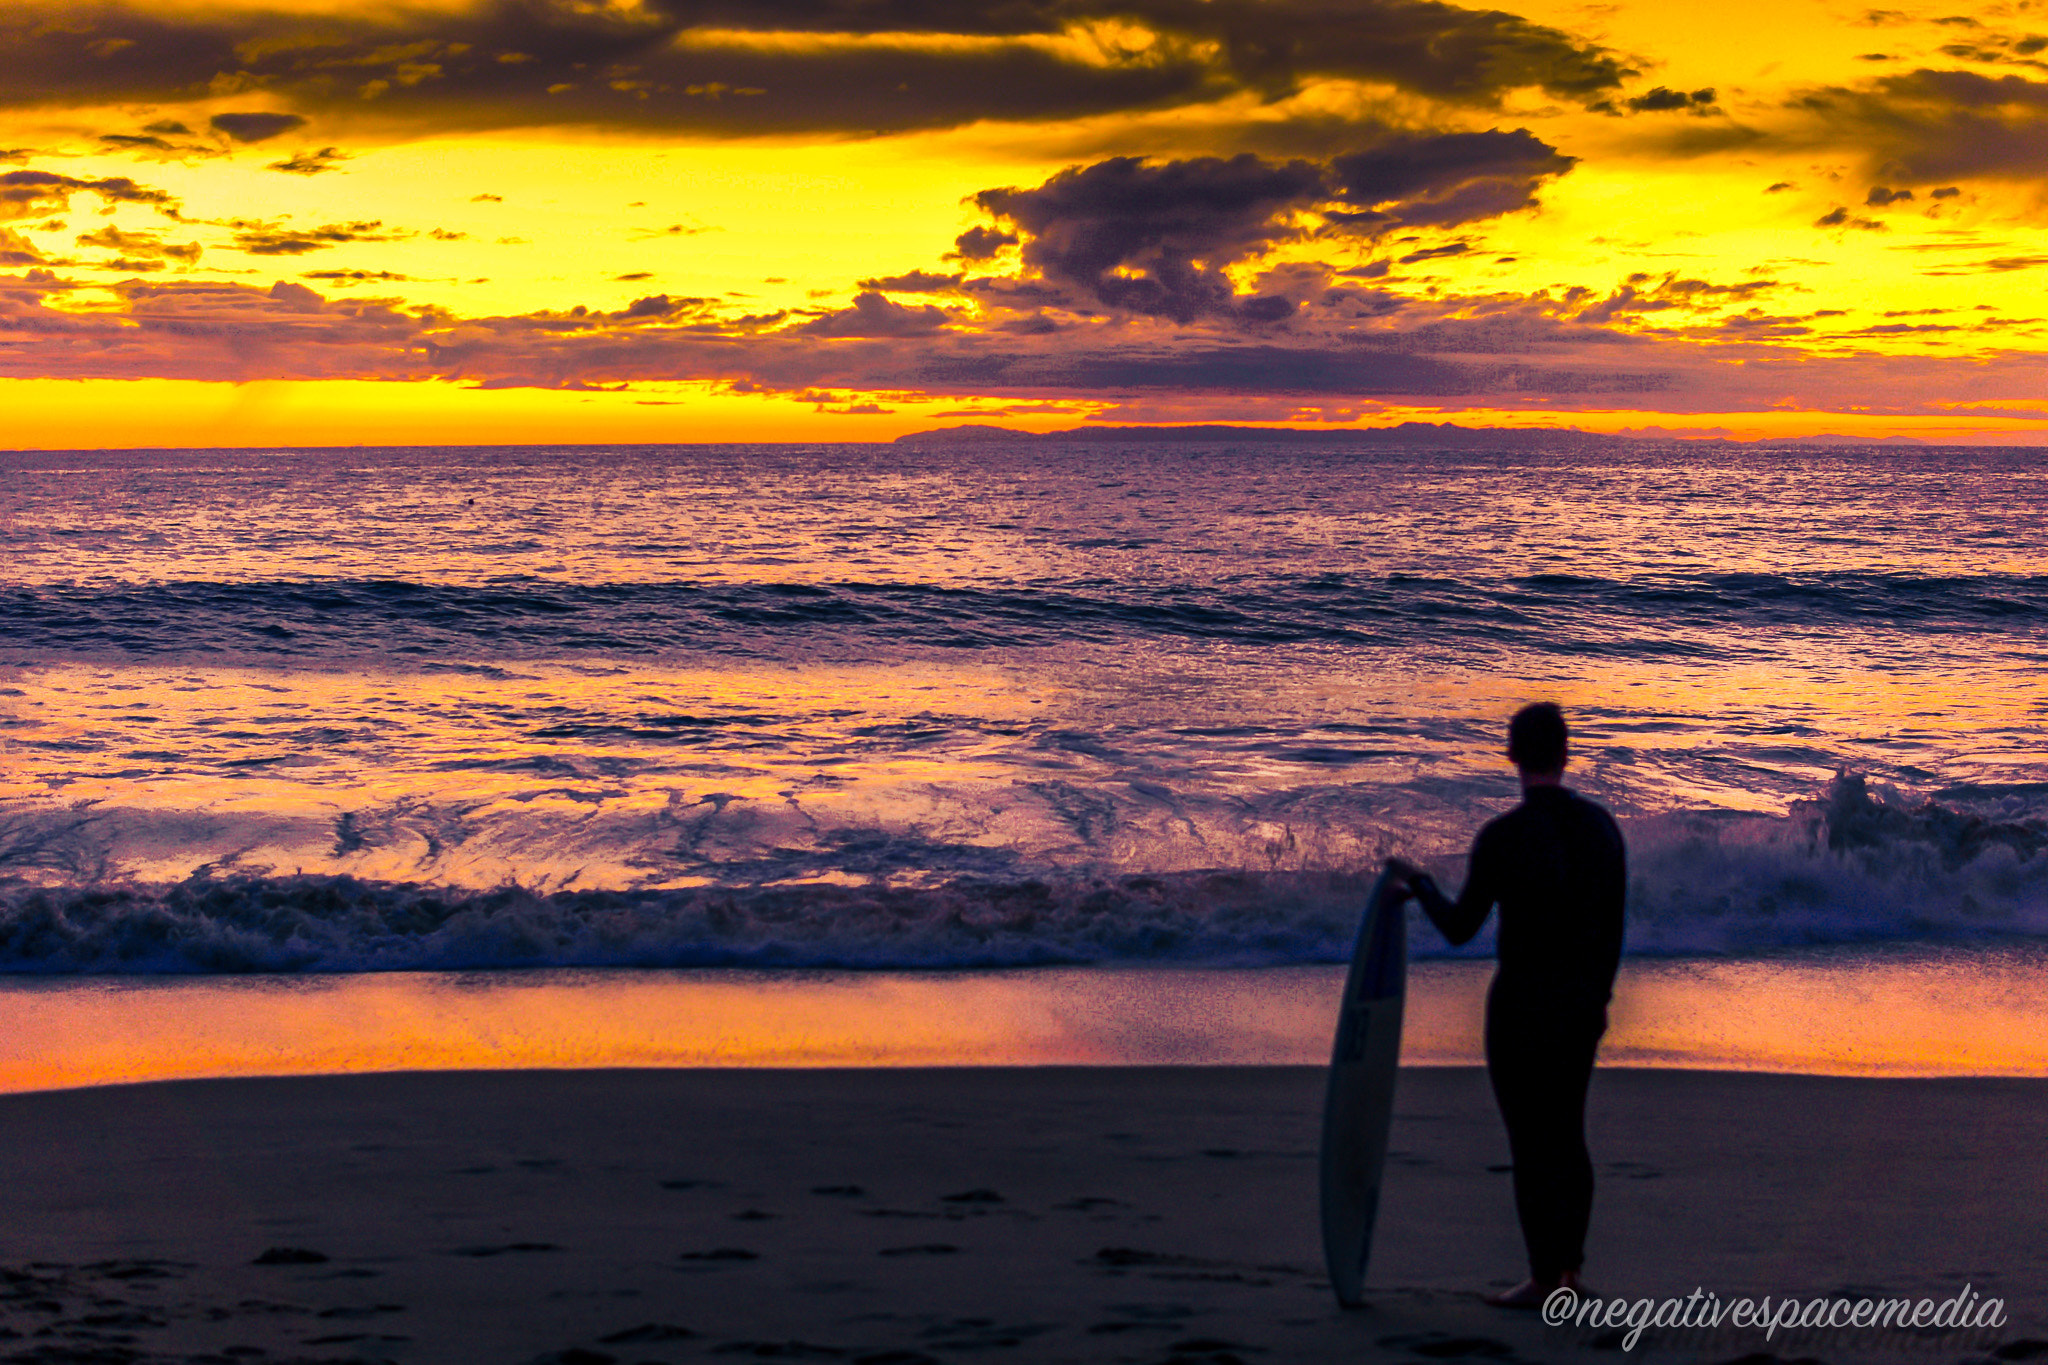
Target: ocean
[[976, 708]]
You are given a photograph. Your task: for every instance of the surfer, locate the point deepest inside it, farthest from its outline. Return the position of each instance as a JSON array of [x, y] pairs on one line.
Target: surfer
[[1556, 867]]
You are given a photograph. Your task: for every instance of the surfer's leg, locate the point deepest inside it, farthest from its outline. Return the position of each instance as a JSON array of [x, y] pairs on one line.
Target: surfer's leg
[[1511, 1067], [1574, 1169], [1539, 1079]]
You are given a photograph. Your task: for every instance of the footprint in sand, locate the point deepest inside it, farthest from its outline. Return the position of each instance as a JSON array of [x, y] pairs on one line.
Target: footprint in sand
[[1089, 1203], [645, 1333], [1634, 1170], [135, 1270], [781, 1350], [1143, 1317], [1443, 1346], [981, 1334]]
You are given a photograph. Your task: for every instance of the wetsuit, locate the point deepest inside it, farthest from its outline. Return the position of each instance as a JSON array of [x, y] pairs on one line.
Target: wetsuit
[[1556, 867]]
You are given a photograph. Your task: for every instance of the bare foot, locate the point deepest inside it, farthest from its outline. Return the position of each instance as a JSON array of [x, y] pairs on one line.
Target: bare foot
[[1531, 1293], [1527, 1294]]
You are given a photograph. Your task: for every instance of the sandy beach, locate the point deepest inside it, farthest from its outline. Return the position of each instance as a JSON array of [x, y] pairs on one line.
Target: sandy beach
[[1136, 1215]]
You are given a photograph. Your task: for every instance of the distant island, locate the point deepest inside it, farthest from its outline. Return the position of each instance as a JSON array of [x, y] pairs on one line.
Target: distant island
[[1441, 436]]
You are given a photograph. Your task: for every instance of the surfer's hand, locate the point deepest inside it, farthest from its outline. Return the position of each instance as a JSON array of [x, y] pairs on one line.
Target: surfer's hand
[[1404, 874]]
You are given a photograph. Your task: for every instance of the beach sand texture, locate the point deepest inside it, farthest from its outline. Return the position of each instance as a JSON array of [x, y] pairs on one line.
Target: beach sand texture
[[1139, 1215]]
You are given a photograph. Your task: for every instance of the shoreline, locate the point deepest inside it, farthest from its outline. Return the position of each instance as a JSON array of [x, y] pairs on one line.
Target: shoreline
[[1832, 1013]]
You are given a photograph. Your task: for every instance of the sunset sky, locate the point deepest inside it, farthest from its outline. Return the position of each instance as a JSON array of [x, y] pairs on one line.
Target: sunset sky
[[257, 221]]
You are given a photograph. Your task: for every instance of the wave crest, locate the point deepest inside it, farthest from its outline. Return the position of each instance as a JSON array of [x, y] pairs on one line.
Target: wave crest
[[1851, 866]]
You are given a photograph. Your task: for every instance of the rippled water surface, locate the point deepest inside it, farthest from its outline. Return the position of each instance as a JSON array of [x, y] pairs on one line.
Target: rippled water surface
[[337, 710]]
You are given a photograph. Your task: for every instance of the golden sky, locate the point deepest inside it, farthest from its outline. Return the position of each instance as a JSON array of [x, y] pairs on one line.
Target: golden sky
[[304, 221]]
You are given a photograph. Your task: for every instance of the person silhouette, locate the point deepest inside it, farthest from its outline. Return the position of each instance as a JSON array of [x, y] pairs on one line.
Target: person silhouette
[[1557, 868]]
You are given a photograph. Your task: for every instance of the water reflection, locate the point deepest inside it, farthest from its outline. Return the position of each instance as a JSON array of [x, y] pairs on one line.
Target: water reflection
[[1918, 1013]]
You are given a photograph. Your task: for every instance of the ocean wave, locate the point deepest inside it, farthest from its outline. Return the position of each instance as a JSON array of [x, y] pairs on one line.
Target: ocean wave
[[328, 923], [1852, 866], [531, 618]]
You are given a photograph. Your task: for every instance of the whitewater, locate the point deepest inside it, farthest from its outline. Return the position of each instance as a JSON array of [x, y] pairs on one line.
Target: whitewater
[[952, 707]]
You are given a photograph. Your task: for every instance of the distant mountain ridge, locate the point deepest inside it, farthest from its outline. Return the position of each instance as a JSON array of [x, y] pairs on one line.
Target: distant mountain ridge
[[1445, 435]]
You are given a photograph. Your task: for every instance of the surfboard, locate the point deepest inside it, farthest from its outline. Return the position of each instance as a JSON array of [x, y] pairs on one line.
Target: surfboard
[[1359, 1107]]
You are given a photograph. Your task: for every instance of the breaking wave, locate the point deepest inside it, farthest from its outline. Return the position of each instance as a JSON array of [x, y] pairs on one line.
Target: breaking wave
[[1853, 866]]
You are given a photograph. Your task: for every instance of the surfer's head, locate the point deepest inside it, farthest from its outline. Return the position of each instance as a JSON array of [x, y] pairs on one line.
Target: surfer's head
[[1536, 740]]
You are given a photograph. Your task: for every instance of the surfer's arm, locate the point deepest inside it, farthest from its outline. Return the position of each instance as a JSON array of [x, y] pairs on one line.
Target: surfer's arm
[[1457, 920]]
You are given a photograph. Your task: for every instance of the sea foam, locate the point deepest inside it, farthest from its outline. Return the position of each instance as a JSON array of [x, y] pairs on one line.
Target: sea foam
[[1852, 866]]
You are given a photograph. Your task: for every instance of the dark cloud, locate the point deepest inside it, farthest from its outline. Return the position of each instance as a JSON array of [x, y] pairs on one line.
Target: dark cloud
[[1155, 239], [309, 163], [2012, 52], [1642, 294], [672, 230], [1926, 126], [162, 140], [872, 315], [1158, 238], [1420, 180], [914, 282], [140, 245], [1841, 217], [1994, 265], [1661, 99], [274, 239], [981, 244], [186, 329], [1881, 197], [347, 277], [1352, 344], [17, 250], [1434, 252], [768, 66], [662, 306], [27, 192], [150, 142], [255, 127]]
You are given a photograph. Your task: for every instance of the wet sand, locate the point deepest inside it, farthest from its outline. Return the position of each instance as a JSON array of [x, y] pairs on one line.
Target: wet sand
[[888, 1217]]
